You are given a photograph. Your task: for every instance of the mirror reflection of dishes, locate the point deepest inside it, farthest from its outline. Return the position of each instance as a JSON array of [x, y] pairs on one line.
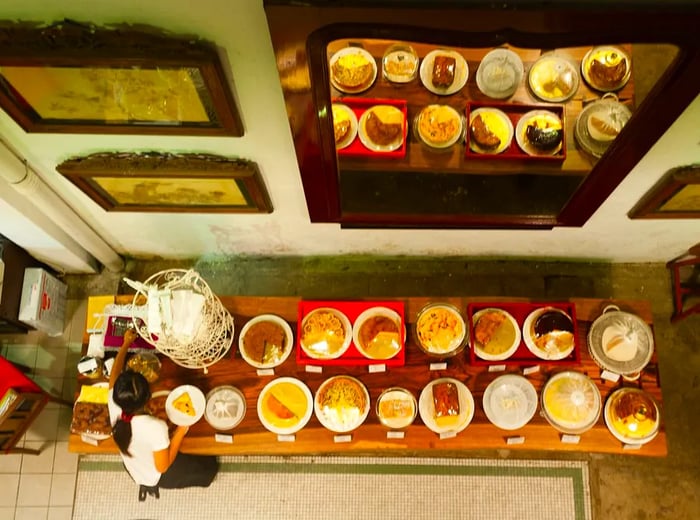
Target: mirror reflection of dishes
[[285, 405], [377, 333], [553, 79], [606, 68], [326, 333], [599, 124], [540, 132], [225, 407], [396, 408], [496, 334], [341, 404], [499, 74], [400, 63], [446, 405], [382, 128], [490, 131], [549, 333], [444, 72], [510, 401], [344, 125], [265, 341], [439, 126], [353, 70]]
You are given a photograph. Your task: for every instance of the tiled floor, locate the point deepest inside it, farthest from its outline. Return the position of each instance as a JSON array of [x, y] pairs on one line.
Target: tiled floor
[[34, 487]]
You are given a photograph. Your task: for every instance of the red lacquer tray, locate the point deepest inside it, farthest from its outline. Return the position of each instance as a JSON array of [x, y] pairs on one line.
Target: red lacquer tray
[[515, 113], [359, 106], [520, 311], [352, 357]]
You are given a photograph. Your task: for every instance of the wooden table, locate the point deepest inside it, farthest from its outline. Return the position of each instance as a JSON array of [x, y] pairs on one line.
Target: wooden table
[[250, 437]]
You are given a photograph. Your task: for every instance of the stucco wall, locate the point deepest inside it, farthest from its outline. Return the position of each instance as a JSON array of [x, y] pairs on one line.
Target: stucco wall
[[240, 28]]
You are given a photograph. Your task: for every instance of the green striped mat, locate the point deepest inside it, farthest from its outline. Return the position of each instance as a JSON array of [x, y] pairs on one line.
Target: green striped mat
[[336, 488]]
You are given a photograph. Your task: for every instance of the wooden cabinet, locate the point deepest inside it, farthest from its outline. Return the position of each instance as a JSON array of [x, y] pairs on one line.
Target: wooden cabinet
[[15, 260], [451, 189]]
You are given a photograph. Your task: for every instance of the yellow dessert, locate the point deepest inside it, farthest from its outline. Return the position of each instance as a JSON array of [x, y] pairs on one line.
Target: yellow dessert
[[284, 404], [184, 404]]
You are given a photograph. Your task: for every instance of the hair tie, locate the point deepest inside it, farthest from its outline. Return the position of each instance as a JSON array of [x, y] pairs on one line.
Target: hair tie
[[126, 417]]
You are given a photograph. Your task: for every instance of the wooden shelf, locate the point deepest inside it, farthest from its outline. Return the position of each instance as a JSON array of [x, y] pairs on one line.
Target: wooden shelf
[[251, 438]]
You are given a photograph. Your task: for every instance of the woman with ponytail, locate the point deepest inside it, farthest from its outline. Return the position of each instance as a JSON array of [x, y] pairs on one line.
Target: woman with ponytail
[[150, 456]]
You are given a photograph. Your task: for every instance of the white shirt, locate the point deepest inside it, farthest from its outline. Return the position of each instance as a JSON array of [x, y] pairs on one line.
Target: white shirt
[[148, 435]]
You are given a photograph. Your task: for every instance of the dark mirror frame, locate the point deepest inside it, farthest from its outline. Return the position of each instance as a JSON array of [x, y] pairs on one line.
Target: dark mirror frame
[[300, 35]]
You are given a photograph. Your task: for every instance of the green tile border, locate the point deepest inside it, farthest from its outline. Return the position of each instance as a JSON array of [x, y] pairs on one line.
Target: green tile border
[[574, 474]]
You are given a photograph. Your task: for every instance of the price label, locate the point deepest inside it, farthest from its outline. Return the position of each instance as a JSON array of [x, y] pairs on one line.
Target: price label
[[225, 439], [314, 369], [438, 366], [448, 435], [631, 446], [570, 439], [342, 438], [88, 440], [610, 376], [515, 440], [87, 366], [266, 371], [376, 368], [531, 370], [497, 368], [395, 435], [286, 438]]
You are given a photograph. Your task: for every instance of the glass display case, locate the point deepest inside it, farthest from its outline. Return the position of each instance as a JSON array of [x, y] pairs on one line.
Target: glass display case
[[475, 117]]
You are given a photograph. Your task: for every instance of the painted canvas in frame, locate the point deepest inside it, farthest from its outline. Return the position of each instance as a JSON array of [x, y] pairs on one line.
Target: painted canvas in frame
[[155, 182], [75, 78]]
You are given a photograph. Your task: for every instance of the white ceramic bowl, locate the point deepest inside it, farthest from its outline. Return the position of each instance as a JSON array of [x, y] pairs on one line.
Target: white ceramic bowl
[[296, 399], [342, 416], [372, 313], [283, 354], [316, 345]]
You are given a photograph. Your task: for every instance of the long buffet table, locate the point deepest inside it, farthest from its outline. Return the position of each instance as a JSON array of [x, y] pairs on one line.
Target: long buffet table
[[250, 437]]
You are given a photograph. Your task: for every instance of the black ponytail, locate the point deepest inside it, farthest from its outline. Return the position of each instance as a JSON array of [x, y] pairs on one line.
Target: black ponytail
[[130, 393]]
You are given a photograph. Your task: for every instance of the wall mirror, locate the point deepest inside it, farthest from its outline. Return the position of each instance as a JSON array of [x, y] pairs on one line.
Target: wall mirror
[[539, 115]]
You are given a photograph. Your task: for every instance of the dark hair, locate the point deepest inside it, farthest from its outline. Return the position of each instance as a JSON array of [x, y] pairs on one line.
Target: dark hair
[[130, 393]]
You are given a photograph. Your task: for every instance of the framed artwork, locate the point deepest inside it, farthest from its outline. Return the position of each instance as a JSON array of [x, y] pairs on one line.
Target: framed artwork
[[156, 182], [676, 195], [75, 78]]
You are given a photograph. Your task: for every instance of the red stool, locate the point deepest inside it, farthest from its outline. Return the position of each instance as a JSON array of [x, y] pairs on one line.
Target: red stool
[[684, 289]]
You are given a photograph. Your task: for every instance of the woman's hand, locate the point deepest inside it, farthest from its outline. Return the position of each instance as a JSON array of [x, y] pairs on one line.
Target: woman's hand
[[129, 337]]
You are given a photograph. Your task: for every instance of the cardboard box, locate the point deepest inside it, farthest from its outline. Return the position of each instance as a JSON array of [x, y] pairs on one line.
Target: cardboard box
[[43, 302]]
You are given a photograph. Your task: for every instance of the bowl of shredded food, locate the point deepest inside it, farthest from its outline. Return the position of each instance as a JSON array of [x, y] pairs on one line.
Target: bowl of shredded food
[[265, 341], [326, 333], [441, 330]]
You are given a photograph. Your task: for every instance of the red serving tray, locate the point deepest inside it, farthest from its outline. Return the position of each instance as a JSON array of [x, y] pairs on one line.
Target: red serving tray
[[515, 113], [352, 356], [520, 311], [359, 106]]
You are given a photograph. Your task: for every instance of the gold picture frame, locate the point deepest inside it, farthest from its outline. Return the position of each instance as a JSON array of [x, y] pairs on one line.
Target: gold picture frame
[[675, 196], [75, 78], [175, 183]]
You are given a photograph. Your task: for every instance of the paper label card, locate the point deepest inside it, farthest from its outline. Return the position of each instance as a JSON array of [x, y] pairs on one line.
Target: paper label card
[[631, 446], [531, 370], [226, 439], [373, 369], [570, 439], [515, 440], [342, 438], [438, 366], [497, 368], [286, 438], [395, 435], [88, 440], [448, 435], [314, 369], [266, 371], [610, 376]]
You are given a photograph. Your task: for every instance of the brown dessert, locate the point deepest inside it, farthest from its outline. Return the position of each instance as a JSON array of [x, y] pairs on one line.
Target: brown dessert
[[482, 135], [445, 399], [381, 132], [608, 75], [444, 71], [352, 71], [487, 326]]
